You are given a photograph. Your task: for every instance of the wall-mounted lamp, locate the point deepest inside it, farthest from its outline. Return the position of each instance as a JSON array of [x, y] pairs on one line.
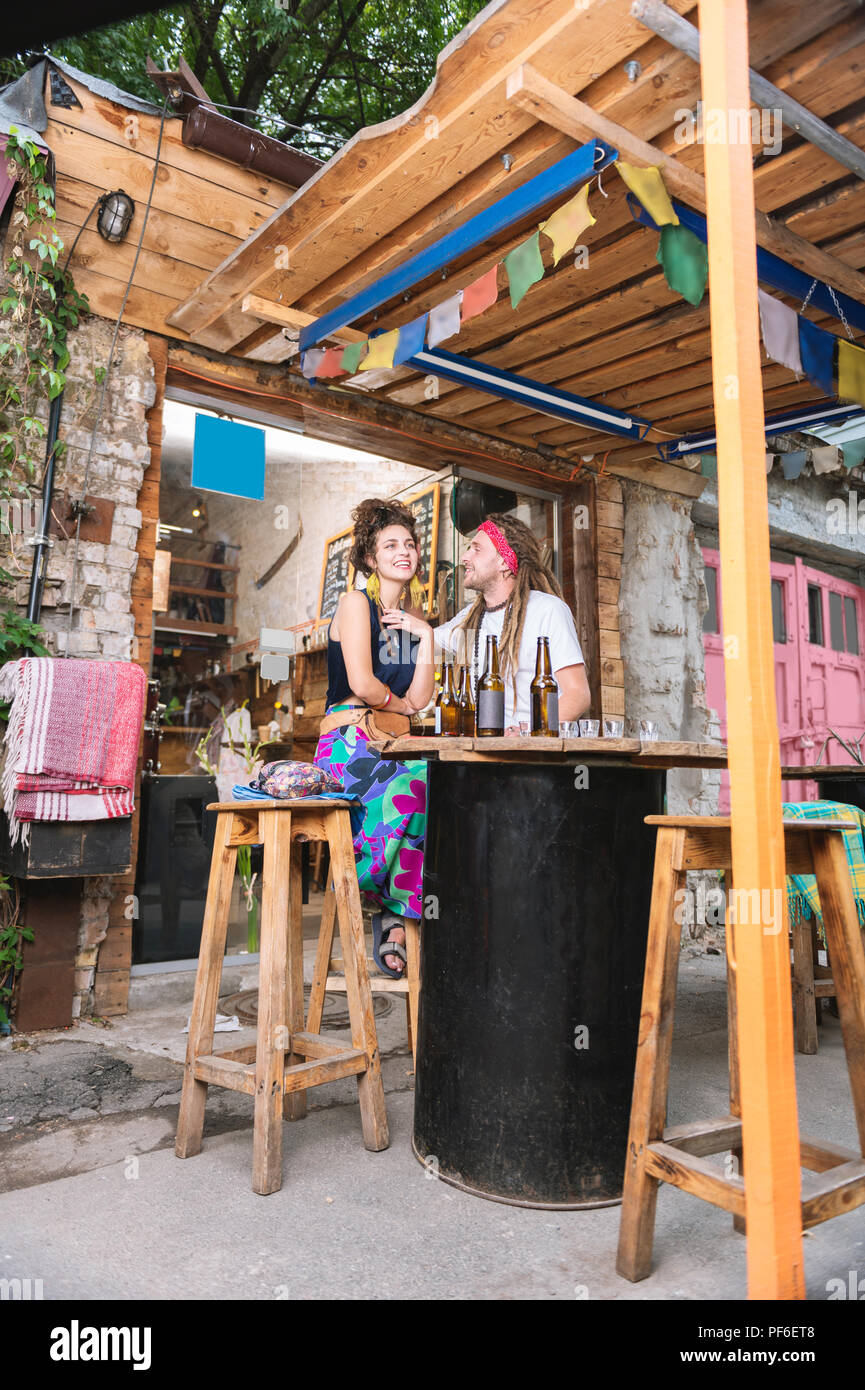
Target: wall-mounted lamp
[[116, 211]]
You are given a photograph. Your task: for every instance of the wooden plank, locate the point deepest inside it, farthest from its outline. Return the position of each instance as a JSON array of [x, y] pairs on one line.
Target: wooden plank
[[703, 1137], [547, 102], [383, 177], [818, 1155], [610, 642], [202, 564], [221, 1071], [205, 593], [767, 1077], [272, 991], [835, 1192], [190, 625], [287, 317], [612, 701], [652, 1070], [82, 155], [139, 131], [298, 1079], [584, 566], [190, 1120], [694, 1175]]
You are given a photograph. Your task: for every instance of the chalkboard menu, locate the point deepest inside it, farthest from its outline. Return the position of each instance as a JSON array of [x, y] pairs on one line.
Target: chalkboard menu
[[337, 575], [425, 506]]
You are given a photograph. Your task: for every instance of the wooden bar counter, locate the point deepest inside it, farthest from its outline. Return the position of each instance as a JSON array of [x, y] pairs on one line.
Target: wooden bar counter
[[537, 882]]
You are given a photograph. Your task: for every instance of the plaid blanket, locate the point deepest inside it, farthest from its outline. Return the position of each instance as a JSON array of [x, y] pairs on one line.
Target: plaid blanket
[[802, 896], [72, 739]]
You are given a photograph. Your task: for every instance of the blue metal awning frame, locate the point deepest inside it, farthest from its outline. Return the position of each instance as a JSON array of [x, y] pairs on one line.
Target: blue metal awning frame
[[796, 418], [548, 400], [561, 177], [771, 270]]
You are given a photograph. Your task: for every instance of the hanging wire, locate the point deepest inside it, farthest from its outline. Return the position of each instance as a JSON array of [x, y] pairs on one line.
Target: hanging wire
[[109, 364], [842, 316]]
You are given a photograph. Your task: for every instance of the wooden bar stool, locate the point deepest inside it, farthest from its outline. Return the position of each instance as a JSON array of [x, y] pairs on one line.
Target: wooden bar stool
[[325, 979], [286, 1059], [677, 1154]]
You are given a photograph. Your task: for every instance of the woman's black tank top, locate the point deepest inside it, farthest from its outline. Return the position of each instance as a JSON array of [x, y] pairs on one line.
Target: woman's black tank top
[[393, 653]]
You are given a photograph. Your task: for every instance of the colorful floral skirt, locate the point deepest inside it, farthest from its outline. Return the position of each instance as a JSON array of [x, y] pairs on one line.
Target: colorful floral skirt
[[389, 845]]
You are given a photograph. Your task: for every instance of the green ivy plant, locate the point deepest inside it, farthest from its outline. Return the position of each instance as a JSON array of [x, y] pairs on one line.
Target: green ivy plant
[[12, 934], [40, 304]]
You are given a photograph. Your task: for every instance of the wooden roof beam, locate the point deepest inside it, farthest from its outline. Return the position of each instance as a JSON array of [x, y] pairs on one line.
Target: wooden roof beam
[[684, 36], [533, 93], [287, 317]]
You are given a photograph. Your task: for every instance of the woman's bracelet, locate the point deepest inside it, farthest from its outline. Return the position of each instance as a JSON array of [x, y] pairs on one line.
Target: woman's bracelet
[[386, 702]]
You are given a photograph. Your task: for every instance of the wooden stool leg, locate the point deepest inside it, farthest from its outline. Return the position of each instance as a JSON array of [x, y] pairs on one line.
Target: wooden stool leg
[[732, 1032], [412, 950], [363, 1031], [294, 1104], [803, 974], [844, 945], [651, 1077], [190, 1121], [323, 954], [273, 969]]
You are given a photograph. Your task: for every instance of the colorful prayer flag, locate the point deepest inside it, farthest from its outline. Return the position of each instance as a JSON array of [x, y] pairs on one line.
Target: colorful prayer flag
[[817, 349], [851, 372], [411, 340], [826, 459], [310, 362], [853, 454], [331, 363], [685, 262], [780, 326], [524, 268], [793, 463], [709, 465], [648, 186], [352, 355], [480, 295], [444, 319], [381, 351], [568, 223]]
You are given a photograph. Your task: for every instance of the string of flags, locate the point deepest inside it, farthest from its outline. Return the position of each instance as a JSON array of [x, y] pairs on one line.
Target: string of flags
[[835, 365]]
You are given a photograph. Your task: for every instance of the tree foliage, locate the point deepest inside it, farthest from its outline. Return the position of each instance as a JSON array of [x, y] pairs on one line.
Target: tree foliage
[[311, 72]]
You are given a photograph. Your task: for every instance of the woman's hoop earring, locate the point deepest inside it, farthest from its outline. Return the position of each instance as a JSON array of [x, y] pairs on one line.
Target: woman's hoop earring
[[373, 588]]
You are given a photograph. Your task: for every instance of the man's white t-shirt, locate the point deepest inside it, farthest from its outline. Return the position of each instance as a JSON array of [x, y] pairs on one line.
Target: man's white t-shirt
[[546, 616]]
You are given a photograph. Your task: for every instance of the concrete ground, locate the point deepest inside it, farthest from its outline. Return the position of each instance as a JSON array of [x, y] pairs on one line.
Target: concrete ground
[[94, 1202]]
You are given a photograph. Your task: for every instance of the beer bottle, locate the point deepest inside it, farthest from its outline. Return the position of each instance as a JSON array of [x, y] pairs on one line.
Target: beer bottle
[[467, 705], [450, 705], [491, 695], [438, 700], [545, 694]]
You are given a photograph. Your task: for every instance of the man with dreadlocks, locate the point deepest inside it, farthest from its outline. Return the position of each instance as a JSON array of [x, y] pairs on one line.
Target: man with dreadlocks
[[519, 600]]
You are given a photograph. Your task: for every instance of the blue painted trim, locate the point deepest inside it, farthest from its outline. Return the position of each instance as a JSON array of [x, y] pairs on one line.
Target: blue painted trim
[[547, 400], [797, 417], [771, 270], [565, 174]]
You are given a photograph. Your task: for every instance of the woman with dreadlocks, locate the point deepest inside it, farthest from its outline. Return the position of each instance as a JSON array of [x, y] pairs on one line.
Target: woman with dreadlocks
[[518, 601]]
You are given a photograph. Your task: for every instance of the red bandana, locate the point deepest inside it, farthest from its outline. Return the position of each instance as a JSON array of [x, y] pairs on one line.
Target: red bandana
[[490, 529]]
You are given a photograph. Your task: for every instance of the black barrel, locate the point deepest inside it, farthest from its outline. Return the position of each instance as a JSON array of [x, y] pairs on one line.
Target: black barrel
[[532, 977]]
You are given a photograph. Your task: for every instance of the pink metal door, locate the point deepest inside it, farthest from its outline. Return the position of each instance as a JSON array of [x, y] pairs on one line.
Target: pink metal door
[[817, 623]]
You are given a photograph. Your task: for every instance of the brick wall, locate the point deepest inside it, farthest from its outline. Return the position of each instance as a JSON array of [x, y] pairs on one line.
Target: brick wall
[[103, 623]]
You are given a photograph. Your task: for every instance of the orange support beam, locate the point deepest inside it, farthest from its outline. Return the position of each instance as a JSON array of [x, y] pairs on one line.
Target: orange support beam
[[768, 1095]]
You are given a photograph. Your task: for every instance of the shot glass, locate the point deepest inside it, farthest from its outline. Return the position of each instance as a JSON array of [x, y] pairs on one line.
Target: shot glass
[[614, 728], [650, 731], [570, 728], [589, 728], [524, 728]]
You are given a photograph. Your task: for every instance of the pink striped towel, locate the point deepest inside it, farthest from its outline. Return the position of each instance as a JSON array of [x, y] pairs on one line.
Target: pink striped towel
[[72, 741]]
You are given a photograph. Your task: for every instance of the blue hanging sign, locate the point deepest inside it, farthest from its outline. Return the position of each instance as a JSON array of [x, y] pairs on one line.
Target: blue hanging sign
[[227, 457]]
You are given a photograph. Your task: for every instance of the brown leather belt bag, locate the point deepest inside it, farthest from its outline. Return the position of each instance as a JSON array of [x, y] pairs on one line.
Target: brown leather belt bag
[[376, 724]]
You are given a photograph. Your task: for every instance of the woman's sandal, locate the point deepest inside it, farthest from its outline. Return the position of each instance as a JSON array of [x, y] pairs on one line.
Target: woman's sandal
[[382, 948]]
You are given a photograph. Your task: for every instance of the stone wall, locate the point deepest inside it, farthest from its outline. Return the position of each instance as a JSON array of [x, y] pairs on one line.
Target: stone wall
[[661, 606], [102, 625]]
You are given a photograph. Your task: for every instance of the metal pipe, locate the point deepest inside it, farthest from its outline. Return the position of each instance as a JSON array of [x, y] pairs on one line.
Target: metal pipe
[[42, 541], [680, 34], [206, 129]]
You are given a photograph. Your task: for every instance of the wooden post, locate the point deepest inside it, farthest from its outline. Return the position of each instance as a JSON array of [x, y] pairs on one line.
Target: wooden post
[[764, 1004]]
